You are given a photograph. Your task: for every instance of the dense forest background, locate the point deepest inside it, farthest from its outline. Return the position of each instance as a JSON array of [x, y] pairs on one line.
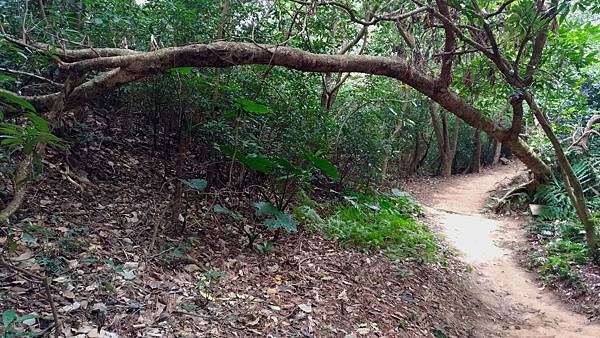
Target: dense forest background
[[282, 116]]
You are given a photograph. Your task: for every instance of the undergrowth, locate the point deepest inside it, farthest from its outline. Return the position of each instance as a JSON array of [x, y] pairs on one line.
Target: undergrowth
[[381, 223], [564, 248], [557, 229]]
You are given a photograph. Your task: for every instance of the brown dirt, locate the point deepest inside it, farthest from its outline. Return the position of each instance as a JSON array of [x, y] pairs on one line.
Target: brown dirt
[[490, 244]]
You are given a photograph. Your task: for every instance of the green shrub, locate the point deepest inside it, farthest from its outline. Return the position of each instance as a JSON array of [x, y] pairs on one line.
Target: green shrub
[[564, 246], [381, 223]]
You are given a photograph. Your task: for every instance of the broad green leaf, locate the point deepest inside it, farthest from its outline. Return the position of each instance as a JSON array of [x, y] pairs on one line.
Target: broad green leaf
[[28, 334], [288, 166], [180, 70], [219, 209], [12, 98], [227, 149], [28, 239], [8, 317], [310, 213], [327, 167], [195, 183], [264, 208], [128, 274], [282, 220], [39, 123], [399, 193], [27, 317], [253, 107], [258, 163]]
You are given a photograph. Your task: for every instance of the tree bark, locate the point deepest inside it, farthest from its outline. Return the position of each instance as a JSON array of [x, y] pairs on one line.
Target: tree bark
[[220, 33], [497, 152], [572, 183], [130, 66], [476, 159], [446, 142]]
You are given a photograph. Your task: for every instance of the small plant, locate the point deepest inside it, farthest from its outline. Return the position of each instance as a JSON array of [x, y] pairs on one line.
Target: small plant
[[207, 283], [564, 247], [12, 327], [272, 218], [264, 247], [69, 243], [51, 265]]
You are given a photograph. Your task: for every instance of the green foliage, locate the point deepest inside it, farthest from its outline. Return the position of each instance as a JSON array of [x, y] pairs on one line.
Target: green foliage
[[281, 220], [13, 327], [272, 218], [564, 249], [554, 195], [382, 223]]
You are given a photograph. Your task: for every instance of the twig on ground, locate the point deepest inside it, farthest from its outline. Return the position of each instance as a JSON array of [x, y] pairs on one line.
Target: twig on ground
[[47, 287]]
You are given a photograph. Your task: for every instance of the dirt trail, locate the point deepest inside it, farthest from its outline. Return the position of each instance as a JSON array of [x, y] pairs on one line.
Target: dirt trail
[[486, 244]]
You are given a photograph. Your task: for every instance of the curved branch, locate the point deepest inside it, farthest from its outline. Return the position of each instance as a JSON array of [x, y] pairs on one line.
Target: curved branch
[[500, 9], [119, 70], [35, 76]]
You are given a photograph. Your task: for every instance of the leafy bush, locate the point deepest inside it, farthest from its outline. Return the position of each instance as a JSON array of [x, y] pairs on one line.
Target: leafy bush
[[384, 223], [559, 232], [564, 247]]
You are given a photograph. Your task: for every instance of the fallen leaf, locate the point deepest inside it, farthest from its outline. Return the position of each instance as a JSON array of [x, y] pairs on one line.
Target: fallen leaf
[[68, 294], [305, 307], [191, 268]]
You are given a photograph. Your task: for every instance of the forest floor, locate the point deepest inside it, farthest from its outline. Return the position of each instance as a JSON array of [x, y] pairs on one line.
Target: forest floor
[[88, 223], [491, 244]]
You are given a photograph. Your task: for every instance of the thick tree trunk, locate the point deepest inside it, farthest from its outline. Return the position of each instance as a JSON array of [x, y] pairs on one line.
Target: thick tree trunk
[[497, 152]]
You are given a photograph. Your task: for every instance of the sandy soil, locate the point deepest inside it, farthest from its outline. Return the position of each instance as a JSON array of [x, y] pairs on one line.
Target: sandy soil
[[489, 244]]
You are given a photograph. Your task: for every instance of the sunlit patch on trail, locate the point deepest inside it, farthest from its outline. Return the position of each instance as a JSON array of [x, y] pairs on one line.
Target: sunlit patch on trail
[[473, 236]]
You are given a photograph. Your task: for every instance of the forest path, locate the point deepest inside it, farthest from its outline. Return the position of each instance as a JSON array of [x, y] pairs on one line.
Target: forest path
[[490, 246]]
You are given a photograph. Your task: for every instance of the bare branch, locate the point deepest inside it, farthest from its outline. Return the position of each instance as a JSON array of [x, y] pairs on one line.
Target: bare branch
[[394, 16], [70, 55], [35, 76], [487, 29]]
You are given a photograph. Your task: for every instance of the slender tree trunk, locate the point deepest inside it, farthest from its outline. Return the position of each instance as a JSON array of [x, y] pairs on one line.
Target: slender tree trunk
[[476, 160], [395, 133], [416, 155], [220, 34], [572, 183], [446, 142]]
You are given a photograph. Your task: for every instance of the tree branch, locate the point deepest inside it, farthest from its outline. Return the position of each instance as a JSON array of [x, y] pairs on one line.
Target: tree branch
[[120, 70], [394, 16], [35, 76], [540, 41], [449, 44], [499, 10]]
